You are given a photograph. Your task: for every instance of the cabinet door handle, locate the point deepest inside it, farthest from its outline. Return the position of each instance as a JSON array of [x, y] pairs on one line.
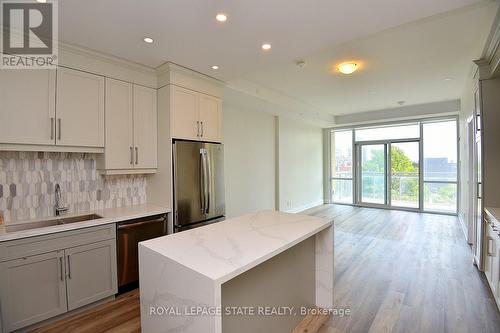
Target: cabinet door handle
[[197, 128], [136, 155], [69, 266], [62, 269], [59, 128], [52, 128], [489, 241], [201, 129], [131, 155]]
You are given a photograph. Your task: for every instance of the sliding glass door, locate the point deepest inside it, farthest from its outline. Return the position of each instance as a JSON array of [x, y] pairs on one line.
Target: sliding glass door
[[405, 174], [373, 166], [389, 174]]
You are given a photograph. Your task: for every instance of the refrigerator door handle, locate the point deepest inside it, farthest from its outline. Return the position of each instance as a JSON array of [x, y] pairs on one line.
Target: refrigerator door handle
[[206, 181], [202, 181], [209, 184]]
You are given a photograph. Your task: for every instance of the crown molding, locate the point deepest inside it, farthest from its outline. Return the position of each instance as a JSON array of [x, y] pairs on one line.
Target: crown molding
[[70, 48], [483, 69], [95, 62], [489, 64], [169, 67]]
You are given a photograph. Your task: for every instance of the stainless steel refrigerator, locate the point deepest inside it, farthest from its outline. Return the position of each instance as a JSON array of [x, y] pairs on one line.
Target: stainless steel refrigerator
[[198, 169]]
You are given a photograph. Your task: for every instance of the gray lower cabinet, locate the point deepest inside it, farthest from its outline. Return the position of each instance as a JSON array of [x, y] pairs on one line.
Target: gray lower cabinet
[[91, 273], [32, 289], [75, 268]]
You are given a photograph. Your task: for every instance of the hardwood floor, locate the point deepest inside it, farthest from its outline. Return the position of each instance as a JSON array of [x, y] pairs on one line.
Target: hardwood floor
[[395, 271], [405, 272], [121, 315]]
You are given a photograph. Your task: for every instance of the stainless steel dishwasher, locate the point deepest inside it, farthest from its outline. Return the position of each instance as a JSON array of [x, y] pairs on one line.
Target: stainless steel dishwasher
[[128, 235]]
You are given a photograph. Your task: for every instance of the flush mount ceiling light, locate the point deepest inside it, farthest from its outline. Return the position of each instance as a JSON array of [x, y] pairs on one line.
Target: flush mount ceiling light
[[266, 46], [221, 17], [347, 67], [148, 40], [215, 67], [300, 63], [41, 1]]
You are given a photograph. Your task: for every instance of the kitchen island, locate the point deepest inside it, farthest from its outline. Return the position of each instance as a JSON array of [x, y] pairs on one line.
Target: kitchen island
[[255, 273]]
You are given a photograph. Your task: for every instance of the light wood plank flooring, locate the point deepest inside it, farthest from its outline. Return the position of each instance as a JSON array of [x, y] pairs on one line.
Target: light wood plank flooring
[[396, 272], [405, 272]]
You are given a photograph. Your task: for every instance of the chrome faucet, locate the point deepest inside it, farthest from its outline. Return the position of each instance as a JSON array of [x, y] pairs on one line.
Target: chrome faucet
[[59, 201]]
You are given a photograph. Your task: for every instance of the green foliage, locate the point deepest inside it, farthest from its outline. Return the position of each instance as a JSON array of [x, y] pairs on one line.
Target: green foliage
[[400, 162], [404, 184]]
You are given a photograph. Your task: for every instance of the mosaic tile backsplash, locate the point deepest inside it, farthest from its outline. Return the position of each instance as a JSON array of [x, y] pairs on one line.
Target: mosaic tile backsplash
[[27, 181]]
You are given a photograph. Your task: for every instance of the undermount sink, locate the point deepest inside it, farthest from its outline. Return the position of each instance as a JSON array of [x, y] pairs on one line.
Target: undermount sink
[[50, 223]]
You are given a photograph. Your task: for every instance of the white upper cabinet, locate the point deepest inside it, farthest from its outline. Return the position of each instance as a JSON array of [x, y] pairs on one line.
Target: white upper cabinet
[[131, 129], [79, 108], [27, 107], [210, 117], [184, 116], [119, 147], [195, 116], [145, 128]]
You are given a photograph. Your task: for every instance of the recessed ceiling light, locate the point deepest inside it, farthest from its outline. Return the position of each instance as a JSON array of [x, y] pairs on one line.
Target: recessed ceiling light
[[266, 46], [41, 1], [448, 79], [221, 17], [148, 40], [347, 67], [215, 67]]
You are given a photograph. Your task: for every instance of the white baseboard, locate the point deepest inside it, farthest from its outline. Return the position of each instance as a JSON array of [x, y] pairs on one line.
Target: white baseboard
[[304, 207]]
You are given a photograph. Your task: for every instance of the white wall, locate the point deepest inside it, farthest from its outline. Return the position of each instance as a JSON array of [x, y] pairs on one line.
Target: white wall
[[249, 160], [300, 151]]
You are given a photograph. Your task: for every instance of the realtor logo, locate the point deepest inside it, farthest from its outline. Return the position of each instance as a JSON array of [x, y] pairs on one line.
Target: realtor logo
[[29, 35]]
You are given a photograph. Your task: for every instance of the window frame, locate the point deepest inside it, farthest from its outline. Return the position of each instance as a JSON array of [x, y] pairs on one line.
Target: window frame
[[332, 178], [456, 181], [354, 175]]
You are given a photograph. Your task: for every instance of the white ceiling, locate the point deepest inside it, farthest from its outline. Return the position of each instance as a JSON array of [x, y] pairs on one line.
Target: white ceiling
[[407, 62]]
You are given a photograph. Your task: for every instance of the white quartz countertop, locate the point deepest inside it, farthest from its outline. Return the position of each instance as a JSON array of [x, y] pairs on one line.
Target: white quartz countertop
[[226, 249], [109, 215]]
